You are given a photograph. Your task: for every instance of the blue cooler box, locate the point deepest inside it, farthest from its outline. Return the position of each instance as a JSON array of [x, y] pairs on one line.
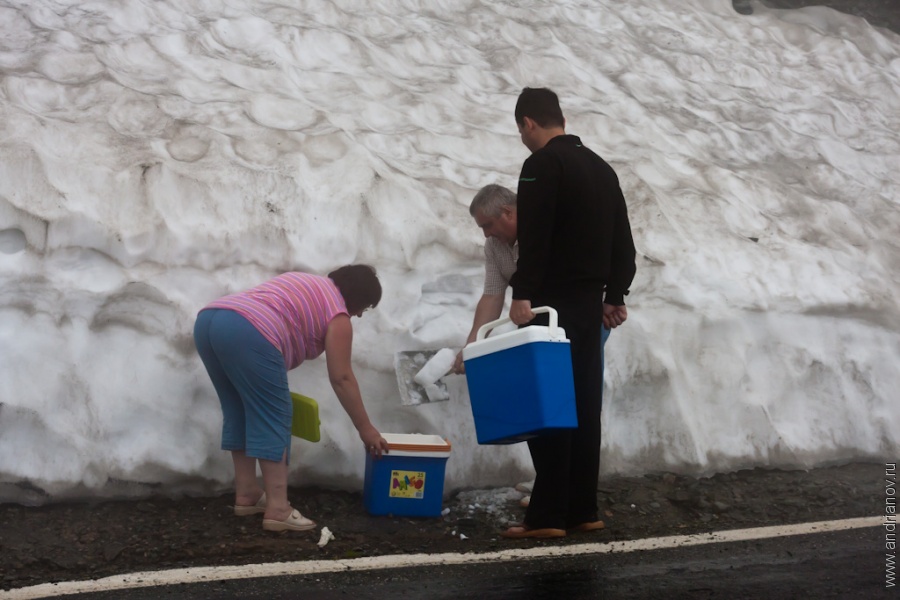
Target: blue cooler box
[[409, 480], [520, 382]]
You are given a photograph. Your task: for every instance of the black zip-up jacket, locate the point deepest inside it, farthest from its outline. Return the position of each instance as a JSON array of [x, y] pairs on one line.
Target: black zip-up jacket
[[573, 228]]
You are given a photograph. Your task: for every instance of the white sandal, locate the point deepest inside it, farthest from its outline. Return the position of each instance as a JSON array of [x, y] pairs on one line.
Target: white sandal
[[295, 522], [255, 509]]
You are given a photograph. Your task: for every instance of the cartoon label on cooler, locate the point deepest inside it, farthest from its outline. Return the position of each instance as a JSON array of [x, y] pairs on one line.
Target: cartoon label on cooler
[[407, 484]]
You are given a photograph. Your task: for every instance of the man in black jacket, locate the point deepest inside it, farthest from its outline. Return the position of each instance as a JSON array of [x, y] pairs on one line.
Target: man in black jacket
[[577, 255]]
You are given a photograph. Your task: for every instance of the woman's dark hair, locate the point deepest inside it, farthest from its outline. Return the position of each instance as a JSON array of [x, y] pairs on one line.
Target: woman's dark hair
[[359, 286]]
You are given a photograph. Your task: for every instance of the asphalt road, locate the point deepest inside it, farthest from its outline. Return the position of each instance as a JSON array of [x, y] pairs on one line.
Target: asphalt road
[[842, 564]]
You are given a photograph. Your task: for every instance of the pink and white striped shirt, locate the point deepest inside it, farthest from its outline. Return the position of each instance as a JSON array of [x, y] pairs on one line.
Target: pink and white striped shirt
[[292, 311]]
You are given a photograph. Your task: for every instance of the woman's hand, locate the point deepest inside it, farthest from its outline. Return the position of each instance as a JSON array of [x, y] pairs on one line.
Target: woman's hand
[[375, 444]]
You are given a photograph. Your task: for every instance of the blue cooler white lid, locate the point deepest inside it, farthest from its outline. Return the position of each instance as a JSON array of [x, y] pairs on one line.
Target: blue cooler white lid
[[484, 345], [416, 444]]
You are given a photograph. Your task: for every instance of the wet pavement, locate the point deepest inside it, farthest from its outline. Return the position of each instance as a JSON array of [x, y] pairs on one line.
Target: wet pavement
[[845, 564]]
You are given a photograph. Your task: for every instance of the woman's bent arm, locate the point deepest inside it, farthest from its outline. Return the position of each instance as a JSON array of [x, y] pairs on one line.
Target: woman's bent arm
[[338, 352]]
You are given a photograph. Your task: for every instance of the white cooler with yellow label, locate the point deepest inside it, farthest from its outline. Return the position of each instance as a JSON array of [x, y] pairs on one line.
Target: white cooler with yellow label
[[520, 382]]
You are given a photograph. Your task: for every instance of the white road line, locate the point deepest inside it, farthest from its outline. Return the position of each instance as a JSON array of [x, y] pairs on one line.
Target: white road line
[[207, 574]]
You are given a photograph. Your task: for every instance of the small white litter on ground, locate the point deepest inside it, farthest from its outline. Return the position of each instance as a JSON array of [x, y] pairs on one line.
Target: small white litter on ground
[[325, 537]]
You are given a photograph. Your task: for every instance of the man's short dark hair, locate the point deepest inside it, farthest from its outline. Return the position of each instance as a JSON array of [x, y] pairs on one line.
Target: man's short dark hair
[[542, 106], [359, 286]]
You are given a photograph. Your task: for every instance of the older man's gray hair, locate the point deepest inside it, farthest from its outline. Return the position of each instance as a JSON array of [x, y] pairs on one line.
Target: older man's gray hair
[[491, 199]]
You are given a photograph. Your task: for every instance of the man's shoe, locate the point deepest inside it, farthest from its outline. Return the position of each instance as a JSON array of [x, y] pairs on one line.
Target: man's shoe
[[589, 526], [523, 532]]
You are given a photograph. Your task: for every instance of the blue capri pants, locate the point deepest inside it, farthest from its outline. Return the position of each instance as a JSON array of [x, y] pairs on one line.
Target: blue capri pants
[[251, 381]]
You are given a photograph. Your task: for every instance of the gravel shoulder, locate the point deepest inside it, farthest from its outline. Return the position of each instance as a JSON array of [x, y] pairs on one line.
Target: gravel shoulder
[[89, 540]]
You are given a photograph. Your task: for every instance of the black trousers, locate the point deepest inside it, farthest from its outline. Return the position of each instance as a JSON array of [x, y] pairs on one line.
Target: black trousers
[[567, 464]]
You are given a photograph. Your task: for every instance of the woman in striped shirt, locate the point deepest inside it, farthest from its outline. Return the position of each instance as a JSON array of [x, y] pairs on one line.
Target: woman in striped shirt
[[249, 341]]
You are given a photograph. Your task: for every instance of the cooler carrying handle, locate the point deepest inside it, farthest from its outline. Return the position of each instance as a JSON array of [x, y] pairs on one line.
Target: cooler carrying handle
[[487, 327]]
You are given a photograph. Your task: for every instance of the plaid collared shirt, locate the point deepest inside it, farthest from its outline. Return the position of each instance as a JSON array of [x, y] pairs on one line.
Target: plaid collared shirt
[[499, 265]]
